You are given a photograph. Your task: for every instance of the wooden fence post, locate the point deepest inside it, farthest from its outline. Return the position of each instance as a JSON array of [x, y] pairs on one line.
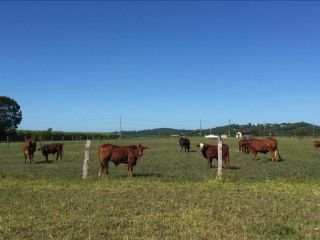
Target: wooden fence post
[[219, 172], [86, 159]]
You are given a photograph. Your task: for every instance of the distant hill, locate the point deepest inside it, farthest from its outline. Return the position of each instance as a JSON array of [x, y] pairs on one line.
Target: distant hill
[[274, 129]]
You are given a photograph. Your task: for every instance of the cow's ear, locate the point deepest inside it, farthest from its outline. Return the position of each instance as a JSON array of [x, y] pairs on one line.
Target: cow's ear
[[198, 145]]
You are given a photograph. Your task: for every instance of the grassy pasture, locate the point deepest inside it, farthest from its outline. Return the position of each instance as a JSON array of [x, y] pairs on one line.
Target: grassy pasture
[[172, 195]]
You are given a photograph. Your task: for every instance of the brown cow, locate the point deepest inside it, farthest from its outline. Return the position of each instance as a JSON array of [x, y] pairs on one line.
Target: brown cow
[[263, 146], [29, 147], [119, 154], [244, 146], [184, 143], [54, 148], [316, 144], [211, 151]]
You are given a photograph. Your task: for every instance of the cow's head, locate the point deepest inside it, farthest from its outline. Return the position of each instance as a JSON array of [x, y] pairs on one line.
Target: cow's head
[[43, 148], [31, 145], [202, 146], [140, 149]]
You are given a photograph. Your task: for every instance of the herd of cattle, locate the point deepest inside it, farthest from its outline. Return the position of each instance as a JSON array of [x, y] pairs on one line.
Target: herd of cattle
[[130, 154]]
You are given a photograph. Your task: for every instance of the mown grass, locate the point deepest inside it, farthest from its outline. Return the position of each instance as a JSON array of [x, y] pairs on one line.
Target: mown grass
[[172, 195]]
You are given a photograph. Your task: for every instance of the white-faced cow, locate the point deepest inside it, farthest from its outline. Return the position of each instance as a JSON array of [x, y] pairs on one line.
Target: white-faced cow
[[210, 152]]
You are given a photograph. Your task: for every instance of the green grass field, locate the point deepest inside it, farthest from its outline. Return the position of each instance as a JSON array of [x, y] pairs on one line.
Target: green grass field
[[171, 196]]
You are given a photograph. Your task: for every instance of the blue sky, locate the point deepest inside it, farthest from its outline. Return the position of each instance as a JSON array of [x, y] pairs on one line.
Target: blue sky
[[78, 66]]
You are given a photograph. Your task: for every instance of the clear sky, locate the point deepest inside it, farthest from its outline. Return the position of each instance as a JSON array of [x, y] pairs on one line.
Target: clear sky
[[78, 66]]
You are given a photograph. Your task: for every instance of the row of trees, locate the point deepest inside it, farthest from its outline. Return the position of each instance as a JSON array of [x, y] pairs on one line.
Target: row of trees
[[11, 116]]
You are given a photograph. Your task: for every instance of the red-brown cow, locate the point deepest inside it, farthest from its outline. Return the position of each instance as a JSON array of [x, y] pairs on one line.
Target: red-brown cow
[[211, 151], [119, 154], [184, 143], [263, 146], [316, 144], [29, 147], [54, 148]]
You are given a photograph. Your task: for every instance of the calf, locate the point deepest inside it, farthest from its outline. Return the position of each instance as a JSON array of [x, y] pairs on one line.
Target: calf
[[119, 154], [184, 143], [54, 148], [211, 151], [29, 147]]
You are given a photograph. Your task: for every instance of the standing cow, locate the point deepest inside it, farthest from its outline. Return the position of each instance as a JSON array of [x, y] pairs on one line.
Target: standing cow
[[244, 146], [316, 145], [119, 154], [184, 143], [29, 147], [54, 148], [263, 146], [210, 152]]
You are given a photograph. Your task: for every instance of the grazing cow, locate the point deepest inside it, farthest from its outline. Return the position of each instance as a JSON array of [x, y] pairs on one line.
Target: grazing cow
[[54, 148], [119, 154], [29, 147], [263, 146], [184, 143], [316, 144], [211, 151]]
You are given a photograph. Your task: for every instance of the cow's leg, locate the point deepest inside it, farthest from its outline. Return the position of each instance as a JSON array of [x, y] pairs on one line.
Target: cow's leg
[[47, 157], [209, 163], [254, 155], [30, 158], [181, 148], [57, 156], [101, 169], [129, 170], [25, 158], [107, 167], [273, 155]]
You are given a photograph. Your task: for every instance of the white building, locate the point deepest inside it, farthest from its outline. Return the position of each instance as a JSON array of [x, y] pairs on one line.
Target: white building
[[244, 134]]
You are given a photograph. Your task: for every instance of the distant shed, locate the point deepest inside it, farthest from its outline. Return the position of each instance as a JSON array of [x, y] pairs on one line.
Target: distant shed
[[244, 134]]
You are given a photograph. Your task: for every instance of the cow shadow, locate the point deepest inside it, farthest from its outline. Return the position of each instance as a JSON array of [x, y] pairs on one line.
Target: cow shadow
[[44, 162], [226, 168], [270, 160], [147, 175]]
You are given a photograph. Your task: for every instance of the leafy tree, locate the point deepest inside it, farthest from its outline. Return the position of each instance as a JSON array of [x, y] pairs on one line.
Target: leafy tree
[[10, 116], [301, 131]]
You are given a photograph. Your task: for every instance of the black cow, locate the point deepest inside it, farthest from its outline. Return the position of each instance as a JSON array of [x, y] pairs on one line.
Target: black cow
[[184, 143]]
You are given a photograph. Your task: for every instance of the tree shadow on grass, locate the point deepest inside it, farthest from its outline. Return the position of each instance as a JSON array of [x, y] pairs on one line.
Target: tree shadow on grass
[[44, 162]]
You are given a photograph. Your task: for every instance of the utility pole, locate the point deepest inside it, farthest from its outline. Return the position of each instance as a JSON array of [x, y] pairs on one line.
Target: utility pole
[[229, 128], [313, 130], [200, 128]]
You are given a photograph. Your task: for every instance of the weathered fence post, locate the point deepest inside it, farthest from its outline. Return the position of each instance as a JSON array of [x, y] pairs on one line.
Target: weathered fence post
[[86, 159], [219, 172]]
